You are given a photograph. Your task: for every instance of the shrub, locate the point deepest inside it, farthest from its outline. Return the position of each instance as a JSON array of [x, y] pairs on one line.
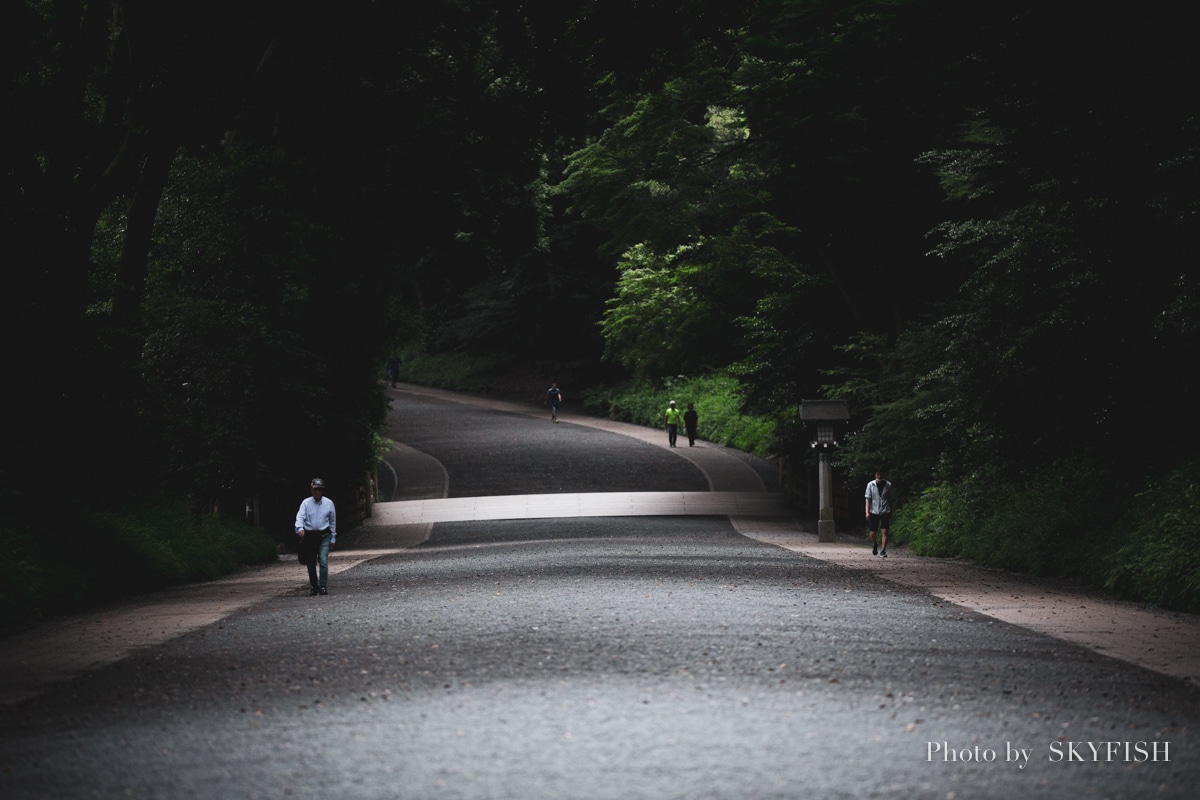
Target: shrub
[[454, 371], [164, 544], [932, 524], [91, 558], [1159, 561], [1048, 523], [719, 401]]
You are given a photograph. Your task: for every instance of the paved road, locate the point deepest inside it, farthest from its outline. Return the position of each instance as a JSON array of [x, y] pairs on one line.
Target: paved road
[[599, 657]]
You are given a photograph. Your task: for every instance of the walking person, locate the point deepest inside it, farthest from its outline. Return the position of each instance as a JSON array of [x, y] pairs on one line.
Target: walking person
[[554, 396], [316, 525], [672, 418], [393, 370], [690, 418], [877, 502]]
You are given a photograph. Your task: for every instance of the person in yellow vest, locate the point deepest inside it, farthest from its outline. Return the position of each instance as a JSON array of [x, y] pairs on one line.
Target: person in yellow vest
[[673, 416]]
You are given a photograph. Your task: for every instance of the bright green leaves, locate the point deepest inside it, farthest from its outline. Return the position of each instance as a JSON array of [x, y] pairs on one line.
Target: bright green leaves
[[648, 321], [662, 171], [676, 183], [697, 306]]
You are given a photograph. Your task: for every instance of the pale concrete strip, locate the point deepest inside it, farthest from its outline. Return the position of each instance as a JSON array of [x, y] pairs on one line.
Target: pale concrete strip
[[1162, 641], [595, 504]]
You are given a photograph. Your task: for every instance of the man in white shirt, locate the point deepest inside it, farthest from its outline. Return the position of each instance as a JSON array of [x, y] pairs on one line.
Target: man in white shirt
[[316, 525], [878, 509]]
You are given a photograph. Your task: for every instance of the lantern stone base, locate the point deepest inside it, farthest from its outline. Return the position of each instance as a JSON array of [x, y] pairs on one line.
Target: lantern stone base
[[826, 531]]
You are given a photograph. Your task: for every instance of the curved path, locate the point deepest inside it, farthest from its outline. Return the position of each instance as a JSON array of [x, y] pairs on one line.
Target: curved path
[[1165, 642], [659, 655]]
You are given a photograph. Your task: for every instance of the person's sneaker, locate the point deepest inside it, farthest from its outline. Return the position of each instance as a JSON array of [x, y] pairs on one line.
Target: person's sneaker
[[312, 590], [874, 549], [326, 591], [884, 554]]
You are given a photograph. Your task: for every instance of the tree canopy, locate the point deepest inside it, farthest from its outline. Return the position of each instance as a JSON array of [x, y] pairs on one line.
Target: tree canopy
[[971, 221]]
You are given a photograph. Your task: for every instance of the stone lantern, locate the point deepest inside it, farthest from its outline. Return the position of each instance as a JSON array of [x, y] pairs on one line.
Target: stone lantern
[[825, 421]]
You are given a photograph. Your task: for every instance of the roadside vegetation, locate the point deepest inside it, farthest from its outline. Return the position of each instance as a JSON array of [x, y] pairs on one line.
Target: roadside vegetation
[[80, 559], [918, 206], [1069, 521], [719, 401]]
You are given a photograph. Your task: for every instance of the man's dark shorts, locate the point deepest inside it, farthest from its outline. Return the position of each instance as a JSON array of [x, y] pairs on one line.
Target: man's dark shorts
[[880, 521]]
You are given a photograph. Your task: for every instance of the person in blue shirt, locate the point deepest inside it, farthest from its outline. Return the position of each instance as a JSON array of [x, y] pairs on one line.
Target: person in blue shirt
[[316, 525]]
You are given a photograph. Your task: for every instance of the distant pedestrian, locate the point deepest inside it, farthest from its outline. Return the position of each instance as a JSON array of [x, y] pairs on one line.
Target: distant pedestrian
[[878, 509], [672, 418], [554, 396], [316, 525], [393, 369], [690, 418]]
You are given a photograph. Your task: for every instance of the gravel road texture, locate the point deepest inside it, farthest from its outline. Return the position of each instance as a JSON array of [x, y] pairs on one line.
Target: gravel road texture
[[595, 657]]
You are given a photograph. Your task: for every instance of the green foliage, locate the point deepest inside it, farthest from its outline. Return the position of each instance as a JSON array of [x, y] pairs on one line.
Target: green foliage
[[1158, 560], [719, 401], [112, 554], [919, 206], [935, 522], [455, 371], [167, 544], [249, 341], [650, 176], [693, 309], [672, 182], [655, 318], [909, 415], [1052, 523], [1071, 519]]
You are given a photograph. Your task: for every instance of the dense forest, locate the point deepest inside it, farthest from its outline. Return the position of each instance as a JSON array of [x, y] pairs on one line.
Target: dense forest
[[972, 221]]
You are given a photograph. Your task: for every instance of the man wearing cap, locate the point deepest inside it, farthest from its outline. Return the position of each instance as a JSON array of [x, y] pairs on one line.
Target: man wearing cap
[[316, 525], [672, 417]]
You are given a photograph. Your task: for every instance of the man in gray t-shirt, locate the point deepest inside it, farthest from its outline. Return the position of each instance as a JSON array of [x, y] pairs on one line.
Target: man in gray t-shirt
[[878, 509]]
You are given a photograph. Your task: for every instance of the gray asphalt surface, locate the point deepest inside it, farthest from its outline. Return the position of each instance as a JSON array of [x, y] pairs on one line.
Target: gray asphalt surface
[[662, 657], [489, 452]]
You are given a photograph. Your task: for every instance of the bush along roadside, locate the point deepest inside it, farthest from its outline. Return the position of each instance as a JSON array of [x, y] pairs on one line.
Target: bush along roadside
[[1069, 521], [1158, 561], [718, 399], [89, 558]]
